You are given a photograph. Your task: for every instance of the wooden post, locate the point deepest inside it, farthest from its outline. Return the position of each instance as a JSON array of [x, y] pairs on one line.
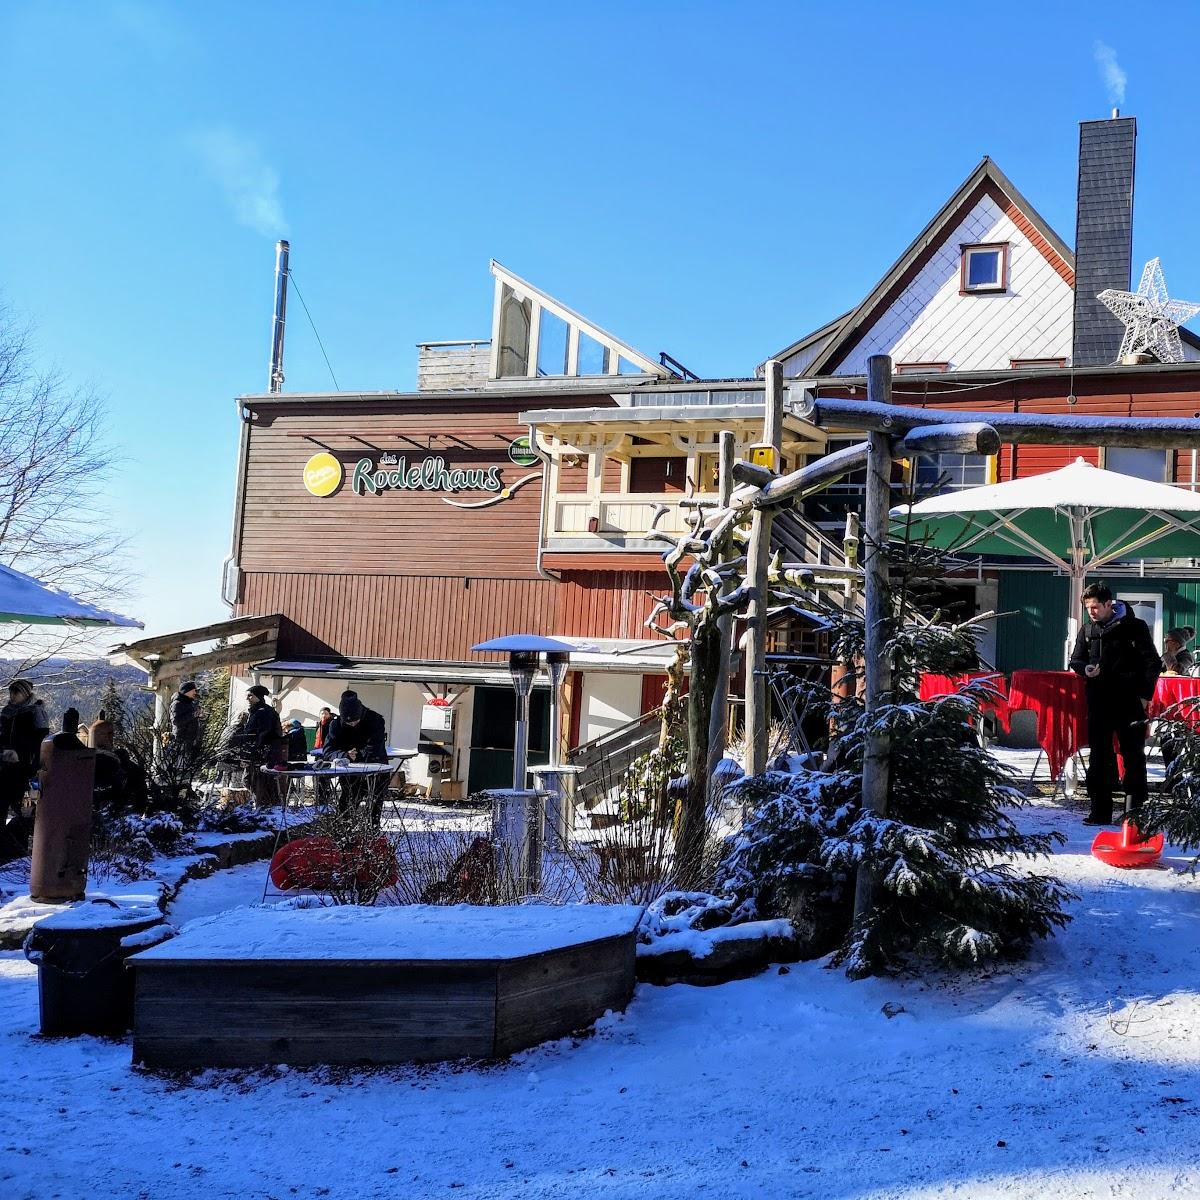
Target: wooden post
[[878, 615], [757, 561], [843, 676], [717, 720]]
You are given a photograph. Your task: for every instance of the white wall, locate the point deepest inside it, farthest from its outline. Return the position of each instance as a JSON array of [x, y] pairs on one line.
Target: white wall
[[931, 322], [609, 700]]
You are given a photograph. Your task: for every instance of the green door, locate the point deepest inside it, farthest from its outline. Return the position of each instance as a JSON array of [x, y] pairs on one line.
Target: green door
[[493, 730]]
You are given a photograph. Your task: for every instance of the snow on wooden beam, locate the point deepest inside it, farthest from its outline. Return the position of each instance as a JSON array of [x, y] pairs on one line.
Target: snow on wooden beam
[[974, 438], [1026, 428]]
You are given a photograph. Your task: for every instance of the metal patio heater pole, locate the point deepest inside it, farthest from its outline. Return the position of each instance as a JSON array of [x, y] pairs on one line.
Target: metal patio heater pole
[[523, 665], [556, 780], [557, 662]]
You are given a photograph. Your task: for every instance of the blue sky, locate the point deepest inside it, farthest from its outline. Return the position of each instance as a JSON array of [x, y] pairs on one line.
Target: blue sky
[[708, 179]]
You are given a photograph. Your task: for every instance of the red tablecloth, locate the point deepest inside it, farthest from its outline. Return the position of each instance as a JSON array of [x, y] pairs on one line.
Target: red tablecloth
[[1177, 689], [1057, 698], [933, 686]]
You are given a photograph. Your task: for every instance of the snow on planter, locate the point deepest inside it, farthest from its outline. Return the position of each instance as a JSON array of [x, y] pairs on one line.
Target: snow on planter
[[369, 986]]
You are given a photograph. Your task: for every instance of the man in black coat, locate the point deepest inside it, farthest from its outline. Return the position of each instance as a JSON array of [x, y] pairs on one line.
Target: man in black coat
[[359, 734], [1120, 664], [185, 717], [261, 743], [23, 724]]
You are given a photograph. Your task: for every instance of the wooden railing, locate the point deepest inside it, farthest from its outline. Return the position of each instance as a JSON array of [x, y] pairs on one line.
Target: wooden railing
[[606, 759]]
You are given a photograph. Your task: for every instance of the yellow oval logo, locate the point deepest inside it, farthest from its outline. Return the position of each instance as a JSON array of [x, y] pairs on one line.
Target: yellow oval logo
[[322, 474]]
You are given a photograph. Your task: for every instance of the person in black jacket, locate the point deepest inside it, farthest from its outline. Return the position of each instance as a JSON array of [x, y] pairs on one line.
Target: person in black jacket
[[359, 734], [297, 742], [1118, 660], [185, 717], [262, 745], [23, 724]]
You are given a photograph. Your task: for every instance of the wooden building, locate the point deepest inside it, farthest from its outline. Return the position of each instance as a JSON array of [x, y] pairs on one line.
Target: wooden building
[[516, 488], [513, 492]]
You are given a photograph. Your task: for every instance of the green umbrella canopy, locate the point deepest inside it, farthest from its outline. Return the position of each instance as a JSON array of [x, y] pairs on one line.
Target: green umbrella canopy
[[1078, 518]]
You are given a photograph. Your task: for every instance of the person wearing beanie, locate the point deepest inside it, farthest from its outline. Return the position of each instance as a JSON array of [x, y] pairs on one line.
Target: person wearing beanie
[[23, 725], [359, 734], [1177, 658], [263, 745], [297, 743], [185, 718]]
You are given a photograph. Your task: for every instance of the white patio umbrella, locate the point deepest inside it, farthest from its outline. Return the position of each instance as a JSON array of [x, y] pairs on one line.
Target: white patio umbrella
[[25, 601], [1079, 518]]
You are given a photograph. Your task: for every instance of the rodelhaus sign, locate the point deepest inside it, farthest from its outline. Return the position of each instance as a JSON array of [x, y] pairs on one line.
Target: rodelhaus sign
[[389, 472], [430, 475]]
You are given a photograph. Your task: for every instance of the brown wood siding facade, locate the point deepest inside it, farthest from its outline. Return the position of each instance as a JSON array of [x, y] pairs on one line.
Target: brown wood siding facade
[[398, 531], [440, 617], [402, 574]]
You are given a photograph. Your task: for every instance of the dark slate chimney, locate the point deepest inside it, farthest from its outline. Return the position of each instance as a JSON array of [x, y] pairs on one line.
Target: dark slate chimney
[[1103, 235]]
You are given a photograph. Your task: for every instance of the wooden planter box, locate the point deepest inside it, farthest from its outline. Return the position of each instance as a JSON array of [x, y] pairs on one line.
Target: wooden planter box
[[368, 986]]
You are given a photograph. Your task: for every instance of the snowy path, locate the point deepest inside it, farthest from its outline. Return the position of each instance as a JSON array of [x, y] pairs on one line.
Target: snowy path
[[1074, 1074]]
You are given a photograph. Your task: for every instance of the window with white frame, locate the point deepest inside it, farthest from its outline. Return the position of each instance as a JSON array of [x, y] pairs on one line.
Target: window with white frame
[[944, 472], [985, 267]]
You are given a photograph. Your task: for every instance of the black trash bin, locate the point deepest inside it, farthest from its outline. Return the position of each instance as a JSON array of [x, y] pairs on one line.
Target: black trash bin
[[83, 985]]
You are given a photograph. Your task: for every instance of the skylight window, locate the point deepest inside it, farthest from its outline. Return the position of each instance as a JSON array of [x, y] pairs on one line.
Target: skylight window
[[985, 268]]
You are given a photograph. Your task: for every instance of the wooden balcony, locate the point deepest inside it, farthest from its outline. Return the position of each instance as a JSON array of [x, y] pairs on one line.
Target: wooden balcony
[[615, 473], [616, 514]]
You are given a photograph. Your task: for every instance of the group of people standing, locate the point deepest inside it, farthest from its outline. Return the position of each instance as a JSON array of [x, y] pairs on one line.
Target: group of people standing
[[1120, 665]]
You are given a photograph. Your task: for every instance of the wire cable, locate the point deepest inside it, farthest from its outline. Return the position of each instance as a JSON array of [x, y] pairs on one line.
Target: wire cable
[[292, 277]]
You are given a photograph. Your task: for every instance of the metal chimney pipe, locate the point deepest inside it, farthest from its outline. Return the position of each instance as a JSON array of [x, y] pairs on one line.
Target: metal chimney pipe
[[275, 379]]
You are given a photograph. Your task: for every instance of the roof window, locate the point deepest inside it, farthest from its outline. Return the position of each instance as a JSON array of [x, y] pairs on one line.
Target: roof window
[[985, 268]]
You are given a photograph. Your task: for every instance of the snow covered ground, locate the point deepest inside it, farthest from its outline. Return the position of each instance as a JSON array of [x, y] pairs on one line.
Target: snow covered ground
[[1075, 1074]]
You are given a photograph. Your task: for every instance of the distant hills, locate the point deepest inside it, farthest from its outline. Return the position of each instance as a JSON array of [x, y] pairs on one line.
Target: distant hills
[[79, 683]]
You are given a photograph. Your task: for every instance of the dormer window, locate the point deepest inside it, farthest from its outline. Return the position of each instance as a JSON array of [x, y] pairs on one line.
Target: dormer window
[[985, 267]]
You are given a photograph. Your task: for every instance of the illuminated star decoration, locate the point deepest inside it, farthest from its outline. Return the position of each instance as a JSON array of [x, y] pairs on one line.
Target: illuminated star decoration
[[1150, 318]]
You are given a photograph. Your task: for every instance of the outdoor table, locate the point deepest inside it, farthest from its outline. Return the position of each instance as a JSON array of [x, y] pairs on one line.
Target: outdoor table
[[932, 686], [375, 774], [1172, 690], [1057, 699]]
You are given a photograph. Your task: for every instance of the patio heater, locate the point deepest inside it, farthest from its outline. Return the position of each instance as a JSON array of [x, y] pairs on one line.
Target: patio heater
[[518, 813], [555, 779]]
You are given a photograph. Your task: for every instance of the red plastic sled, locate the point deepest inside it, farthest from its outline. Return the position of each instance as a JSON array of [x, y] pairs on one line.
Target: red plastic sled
[[1127, 848], [316, 863]]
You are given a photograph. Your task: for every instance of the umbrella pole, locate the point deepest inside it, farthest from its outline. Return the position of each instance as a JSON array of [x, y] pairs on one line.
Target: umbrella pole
[[1075, 604], [1078, 571]]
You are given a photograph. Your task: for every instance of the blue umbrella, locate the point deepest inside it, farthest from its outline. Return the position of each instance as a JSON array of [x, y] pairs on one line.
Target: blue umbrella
[[25, 601]]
